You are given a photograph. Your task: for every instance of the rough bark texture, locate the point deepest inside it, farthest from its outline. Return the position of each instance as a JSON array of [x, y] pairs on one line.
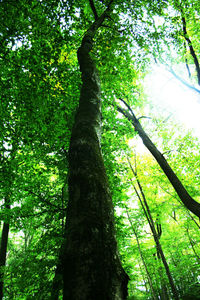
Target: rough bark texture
[[184, 196], [3, 250], [91, 268]]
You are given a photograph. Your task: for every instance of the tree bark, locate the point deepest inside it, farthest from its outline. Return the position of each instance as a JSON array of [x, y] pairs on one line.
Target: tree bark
[[148, 215], [184, 196], [91, 265], [3, 249], [186, 62], [142, 258], [192, 51], [192, 245]]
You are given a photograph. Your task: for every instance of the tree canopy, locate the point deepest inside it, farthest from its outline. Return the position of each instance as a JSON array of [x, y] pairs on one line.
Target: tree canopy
[[155, 193]]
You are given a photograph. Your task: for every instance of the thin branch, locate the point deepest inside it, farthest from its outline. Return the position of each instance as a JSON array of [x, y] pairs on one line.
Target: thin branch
[[183, 81], [127, 105], [93, 9], [144, 117], [40, 213], [166, 119], [168, 151], [42, 199], [183, 206]]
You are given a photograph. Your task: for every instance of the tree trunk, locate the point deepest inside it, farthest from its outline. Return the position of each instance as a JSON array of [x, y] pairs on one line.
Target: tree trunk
[[148, 215], [3, 249], [164, 292], [192, 245], [186, 62], [192, 51], [183, 194], [91, 265], [142, 258]]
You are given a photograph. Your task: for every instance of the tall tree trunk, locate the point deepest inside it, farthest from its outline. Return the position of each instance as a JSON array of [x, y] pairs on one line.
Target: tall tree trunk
[[3, 248], [192, 245], [192, 51], [142, 257], [186, 62], [91, 265], [148, 215], [183, 194], [144, 279], [164, 293]]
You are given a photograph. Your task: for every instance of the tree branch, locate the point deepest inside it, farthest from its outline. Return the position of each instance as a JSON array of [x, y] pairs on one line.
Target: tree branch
[[40, 213], [144, 117], [183, 81], [192, 51], [42, 199], [93, 9], [183, 194]]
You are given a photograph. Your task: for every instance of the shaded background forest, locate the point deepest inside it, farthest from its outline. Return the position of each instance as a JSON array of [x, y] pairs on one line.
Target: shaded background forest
[[40, 85]]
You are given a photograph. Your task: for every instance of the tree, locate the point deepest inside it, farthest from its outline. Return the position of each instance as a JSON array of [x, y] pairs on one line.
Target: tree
[[142, 257], [188, 201], [56, 165], [91, 266], [156, 233]]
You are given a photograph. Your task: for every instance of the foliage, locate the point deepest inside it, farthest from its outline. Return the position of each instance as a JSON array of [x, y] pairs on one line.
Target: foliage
[[40, 86]]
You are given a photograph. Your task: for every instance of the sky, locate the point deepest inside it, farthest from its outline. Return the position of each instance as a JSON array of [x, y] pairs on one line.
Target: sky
[[166, 92]]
